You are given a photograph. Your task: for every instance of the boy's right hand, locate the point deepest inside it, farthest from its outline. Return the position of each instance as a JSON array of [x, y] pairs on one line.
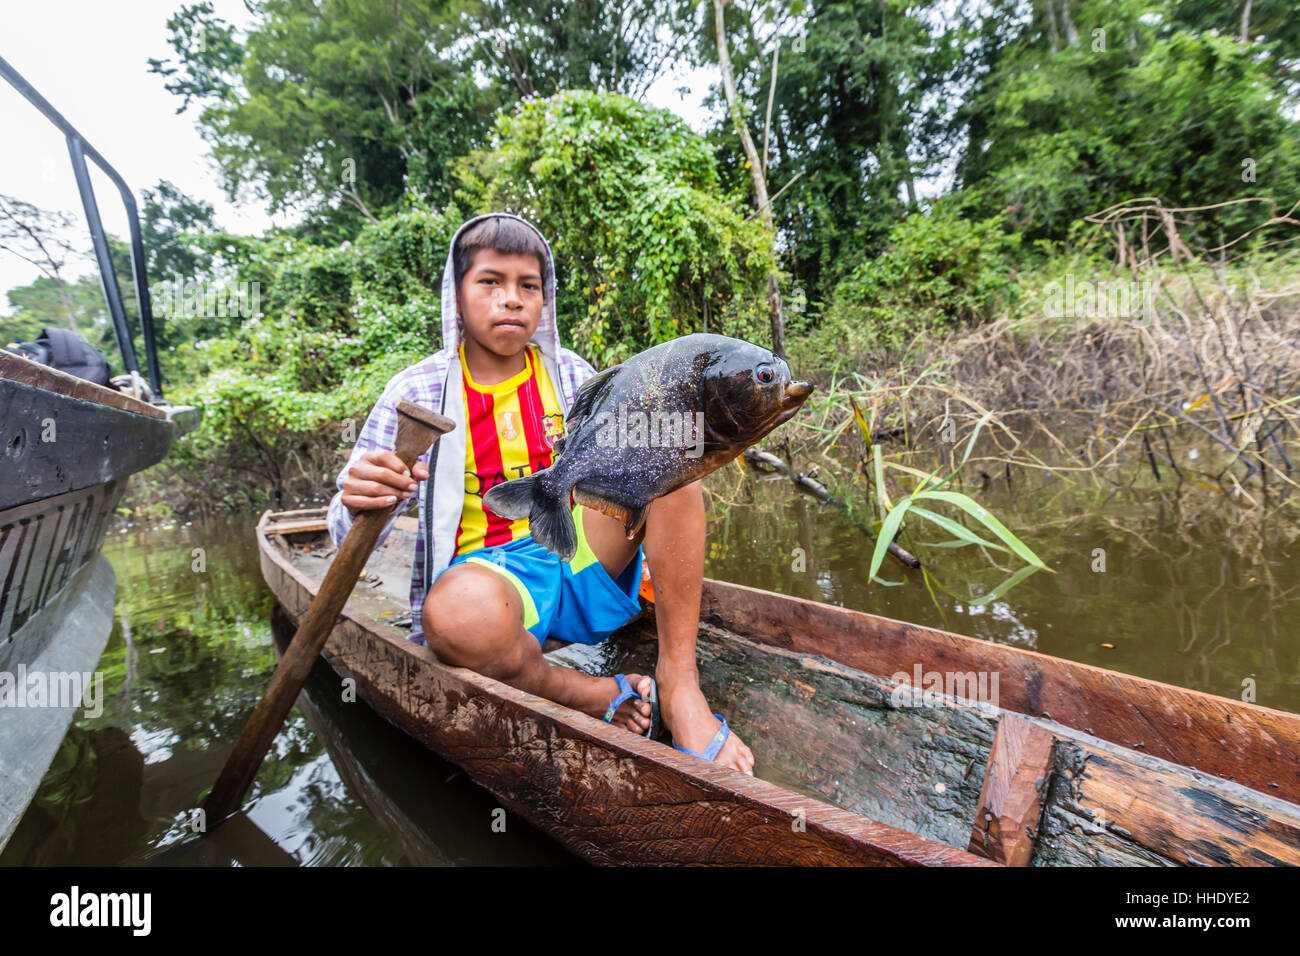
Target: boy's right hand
[[380, 480]]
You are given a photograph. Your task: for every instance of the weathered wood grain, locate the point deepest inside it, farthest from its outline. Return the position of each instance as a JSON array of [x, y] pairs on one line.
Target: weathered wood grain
[[16, 368], [886, 754], [1254, 745], [53, 444], [832, 732], [298, 526], [1011, 800], [1103, 795], [608, 795]]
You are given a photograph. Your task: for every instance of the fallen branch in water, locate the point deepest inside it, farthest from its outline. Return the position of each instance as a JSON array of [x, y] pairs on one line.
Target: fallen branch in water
[[765, 459]]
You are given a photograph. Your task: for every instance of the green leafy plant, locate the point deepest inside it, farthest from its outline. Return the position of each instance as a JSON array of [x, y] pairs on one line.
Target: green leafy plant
[[648, 244], [932, 489], [940, 271]]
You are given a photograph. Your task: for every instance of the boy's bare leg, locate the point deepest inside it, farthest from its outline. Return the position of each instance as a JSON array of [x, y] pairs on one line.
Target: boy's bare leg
[[473, 618], [674, 544]]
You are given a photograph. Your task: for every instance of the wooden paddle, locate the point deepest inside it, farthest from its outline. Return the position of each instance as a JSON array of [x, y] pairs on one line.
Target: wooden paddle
[[417, 429]]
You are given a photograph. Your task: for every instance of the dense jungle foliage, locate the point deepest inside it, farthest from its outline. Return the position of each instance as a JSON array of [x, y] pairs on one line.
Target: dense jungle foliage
[[930, 166]]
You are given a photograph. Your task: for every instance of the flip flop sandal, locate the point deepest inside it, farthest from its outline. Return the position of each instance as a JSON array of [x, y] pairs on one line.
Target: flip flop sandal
[[715, 745], [625, 692]]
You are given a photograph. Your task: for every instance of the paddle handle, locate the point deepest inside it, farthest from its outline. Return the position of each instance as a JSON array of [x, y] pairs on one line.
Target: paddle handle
[[417, 429]]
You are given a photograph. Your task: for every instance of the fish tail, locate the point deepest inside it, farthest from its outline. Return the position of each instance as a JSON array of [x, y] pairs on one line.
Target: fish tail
[[550, 522]]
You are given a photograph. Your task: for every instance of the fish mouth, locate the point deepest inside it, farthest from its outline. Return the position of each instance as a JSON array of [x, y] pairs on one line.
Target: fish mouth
[[796, 392]]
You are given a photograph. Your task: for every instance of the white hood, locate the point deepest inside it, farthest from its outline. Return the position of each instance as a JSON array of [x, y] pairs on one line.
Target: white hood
[[436, 384], [547, 336]]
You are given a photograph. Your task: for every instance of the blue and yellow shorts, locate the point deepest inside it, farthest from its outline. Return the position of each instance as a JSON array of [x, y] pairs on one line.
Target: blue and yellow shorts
[[575, 601]]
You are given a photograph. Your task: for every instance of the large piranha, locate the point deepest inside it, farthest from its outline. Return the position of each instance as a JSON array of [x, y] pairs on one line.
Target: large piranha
[[644, 428]]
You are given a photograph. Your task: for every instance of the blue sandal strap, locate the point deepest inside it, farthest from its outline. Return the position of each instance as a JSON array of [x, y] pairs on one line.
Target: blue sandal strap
[[625, 692], [715, 745]]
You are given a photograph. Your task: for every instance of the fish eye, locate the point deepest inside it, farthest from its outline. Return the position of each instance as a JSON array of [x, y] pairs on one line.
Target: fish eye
[[765, 374]]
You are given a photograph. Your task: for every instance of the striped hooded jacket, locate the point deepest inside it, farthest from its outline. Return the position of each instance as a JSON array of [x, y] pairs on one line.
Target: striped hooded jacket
[[436, 383]]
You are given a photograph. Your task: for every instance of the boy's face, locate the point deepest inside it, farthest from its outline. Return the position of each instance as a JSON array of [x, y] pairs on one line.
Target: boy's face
[[500, 299]]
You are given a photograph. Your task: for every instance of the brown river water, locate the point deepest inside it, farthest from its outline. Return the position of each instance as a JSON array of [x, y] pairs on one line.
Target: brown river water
[[1141, 585]]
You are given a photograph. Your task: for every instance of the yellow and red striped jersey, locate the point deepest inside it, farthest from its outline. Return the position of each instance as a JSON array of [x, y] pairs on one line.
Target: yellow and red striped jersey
[[512, 426]]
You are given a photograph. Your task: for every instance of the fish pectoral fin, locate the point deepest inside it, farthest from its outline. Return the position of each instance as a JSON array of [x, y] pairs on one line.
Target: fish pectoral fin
[[633, 517], [588, 394], [635, 520]]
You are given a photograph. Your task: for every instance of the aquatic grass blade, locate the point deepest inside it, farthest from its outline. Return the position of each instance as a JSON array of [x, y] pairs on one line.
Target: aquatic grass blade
[[956, 529], [862, 422], [984, 517], [914, 472], [1005, 586], [970, 447], [934, 598], [882, 494], [887, 531]]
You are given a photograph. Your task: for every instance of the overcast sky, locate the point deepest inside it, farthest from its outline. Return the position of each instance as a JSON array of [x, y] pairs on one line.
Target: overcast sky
[[89, 58]]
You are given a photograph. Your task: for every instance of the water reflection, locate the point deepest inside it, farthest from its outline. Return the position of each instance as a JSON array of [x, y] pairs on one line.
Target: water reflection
[[1181, 599], [1138, 588], [190, 652]]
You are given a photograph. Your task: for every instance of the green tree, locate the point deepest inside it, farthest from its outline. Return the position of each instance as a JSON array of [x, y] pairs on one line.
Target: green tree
[[647, 245], [541, 47], [1124, 104], [330, 106], [42, 239], [1272, 24], [168, 221], [862, 90], [44, 302], [340, 106]]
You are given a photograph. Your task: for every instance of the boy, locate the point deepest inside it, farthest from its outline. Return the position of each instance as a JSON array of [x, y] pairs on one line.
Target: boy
[[494, 595]]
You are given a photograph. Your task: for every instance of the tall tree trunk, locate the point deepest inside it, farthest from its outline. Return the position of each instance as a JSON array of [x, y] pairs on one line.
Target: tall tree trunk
[[771, 95], [757, 175], [1050, 6], [1245, 22], [1071, 34]]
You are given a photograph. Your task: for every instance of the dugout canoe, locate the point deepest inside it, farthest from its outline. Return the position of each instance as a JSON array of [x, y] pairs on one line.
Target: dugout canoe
[[1073, 764], [67, 446]]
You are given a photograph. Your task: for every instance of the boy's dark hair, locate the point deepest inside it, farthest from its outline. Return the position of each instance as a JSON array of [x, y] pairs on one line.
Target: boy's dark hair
[[500, 234]]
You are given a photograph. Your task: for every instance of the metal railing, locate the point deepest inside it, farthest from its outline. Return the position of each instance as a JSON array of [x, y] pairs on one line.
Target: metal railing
[[79, 150]]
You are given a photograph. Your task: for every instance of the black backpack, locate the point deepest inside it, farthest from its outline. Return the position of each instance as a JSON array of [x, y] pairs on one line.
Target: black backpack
[[68, 352]]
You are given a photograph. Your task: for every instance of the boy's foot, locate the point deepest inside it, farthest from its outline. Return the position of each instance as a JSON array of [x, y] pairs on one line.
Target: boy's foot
[[686, 713], [632, 714]]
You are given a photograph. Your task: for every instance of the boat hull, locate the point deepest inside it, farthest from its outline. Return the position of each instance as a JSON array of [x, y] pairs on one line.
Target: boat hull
[[871, 770], [67, 447], [605, 794], [68, 635], [62, 434], [56, 613]]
